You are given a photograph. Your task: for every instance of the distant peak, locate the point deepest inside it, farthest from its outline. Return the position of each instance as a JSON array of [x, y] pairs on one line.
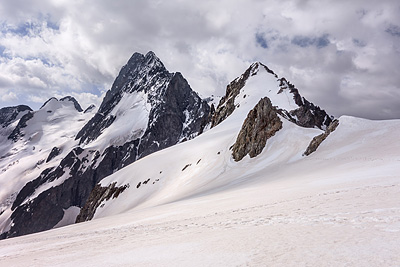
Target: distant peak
[[73, 100], [137, 67], [90, 108], [153, 60], [48, 101], [151, 54], [67, 98], [148, 59]]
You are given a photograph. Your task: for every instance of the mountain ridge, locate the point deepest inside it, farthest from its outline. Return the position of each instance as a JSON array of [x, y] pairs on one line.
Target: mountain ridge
[[166, 112]]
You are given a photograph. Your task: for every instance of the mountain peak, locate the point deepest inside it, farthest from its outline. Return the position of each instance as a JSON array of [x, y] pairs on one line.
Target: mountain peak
[[227, 103], [138, 61], [137, 70], [9, 114], [291, 105], [146, 85], [52, 101], [256, 66], [73, 100], [151, 55]]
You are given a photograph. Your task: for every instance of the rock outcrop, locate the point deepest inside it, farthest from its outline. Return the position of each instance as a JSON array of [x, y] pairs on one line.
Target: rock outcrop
[[55, 151], [261, 123], [17, 133], [317, 140], [96, 198]]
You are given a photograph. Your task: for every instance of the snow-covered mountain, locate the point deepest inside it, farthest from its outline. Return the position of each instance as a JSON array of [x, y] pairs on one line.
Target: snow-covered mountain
[[59, 153], [257, 106], [31, 146], [266, 178]]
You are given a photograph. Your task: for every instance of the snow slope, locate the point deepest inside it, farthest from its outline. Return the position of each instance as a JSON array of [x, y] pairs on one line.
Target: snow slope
[[193, 205], [333, 208]]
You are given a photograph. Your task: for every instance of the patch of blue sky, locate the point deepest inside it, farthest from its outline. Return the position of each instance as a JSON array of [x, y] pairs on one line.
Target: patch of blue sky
[[3, 52], [29, 28], [306, 41], [2, 49], [94, 88], [359, 43], [261, 40], [24, 29]]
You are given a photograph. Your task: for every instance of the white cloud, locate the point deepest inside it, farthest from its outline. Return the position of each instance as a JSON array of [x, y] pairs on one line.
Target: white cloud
[[344, 55], [9, 96]]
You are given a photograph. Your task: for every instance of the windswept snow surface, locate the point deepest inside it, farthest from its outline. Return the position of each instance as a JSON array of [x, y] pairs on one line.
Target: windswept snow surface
[[193, 205]]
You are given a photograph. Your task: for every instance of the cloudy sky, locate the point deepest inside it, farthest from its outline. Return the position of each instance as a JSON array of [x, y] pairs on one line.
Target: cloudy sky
[[342, 55]]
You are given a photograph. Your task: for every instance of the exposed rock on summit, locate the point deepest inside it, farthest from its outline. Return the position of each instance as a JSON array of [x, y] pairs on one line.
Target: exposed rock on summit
[[307, 115], [9, 114], [73, 100], [227, 103]]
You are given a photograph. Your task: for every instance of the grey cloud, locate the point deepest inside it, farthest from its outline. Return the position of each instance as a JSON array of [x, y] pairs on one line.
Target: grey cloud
[[393, 30], [79, 47], [359, 43]]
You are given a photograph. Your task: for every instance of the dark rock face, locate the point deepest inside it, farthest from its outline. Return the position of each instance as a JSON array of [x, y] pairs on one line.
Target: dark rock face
[[54, 153], [307, 115], [261, 123], [9, 114], [177, 114], [317, 140], [97, 196], [46, 210], [227, 103], [89, 108], [28, 220], [17, 132]]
